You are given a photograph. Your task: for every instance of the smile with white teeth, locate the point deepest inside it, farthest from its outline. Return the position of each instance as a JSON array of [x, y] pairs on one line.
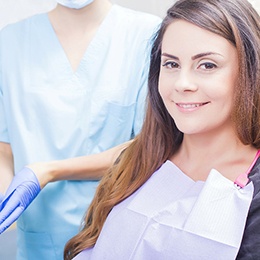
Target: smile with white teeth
[[188, 106]]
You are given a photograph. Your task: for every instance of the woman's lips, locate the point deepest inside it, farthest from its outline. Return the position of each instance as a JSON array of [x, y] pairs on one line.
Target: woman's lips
[[190, 106]]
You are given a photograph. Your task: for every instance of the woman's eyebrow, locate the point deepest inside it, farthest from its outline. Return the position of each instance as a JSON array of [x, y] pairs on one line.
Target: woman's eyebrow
[[197, 56], [200, 55], [169, 56]]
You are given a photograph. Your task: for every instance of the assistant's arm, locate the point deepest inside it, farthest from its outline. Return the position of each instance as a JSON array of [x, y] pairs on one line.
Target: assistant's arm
[[89, 167], [27, 183], [7, 168]]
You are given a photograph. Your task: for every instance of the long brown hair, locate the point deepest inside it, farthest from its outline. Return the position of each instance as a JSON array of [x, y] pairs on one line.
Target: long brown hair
[[236, 21]]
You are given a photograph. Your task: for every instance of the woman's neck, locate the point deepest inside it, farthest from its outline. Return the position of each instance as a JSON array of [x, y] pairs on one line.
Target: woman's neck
[[198, 154]]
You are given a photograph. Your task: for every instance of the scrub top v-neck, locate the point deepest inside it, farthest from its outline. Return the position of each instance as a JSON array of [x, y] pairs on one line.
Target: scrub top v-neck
[[92, 50]]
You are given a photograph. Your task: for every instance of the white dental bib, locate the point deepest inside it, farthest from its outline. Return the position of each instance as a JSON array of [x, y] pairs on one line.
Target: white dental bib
[[173, 217]]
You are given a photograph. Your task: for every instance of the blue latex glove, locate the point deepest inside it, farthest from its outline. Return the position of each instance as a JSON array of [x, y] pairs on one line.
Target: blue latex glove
[[21, 192]]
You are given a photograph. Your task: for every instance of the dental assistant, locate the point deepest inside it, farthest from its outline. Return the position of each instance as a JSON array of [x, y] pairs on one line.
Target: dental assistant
[[72, 83]]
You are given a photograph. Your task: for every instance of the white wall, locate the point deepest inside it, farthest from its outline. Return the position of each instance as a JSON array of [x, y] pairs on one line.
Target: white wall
[[14, 10], [157, 7]]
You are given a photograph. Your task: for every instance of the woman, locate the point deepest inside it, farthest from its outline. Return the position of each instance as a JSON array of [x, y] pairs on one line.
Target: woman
[[181, 189]]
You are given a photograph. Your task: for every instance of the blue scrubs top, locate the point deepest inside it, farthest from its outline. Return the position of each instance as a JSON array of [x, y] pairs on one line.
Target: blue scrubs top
[[49, 112]]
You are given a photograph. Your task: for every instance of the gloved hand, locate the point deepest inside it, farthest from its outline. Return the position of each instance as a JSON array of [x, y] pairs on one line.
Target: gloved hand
[[21, 192]]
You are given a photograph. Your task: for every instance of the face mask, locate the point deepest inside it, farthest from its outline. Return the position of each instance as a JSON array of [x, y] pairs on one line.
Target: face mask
[[75, 4]]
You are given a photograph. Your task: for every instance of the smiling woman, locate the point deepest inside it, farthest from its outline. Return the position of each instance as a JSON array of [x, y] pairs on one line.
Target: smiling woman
[[188, 186], [191, 81]]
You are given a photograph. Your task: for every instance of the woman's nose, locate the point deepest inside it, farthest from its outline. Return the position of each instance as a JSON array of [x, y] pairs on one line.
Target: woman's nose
[[185, 81]]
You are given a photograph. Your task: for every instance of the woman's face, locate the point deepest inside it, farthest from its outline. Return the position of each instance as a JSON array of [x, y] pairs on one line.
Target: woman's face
[[199, 71]]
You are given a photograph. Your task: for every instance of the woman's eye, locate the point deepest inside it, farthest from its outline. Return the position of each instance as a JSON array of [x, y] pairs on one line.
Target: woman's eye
[[171, 65], [208, 66]]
